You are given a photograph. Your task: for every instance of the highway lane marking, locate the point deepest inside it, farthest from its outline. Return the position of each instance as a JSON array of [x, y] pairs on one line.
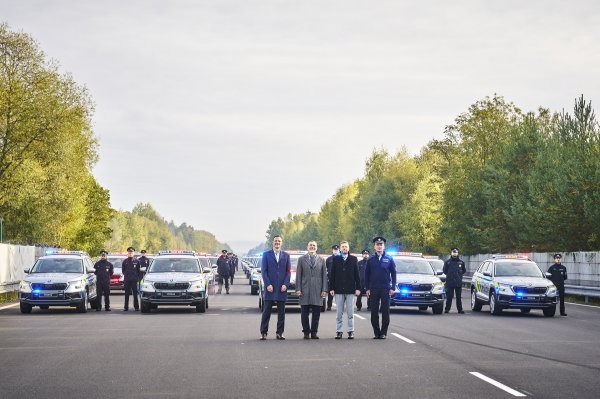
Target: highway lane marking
[[497, 384], [9, 306], [360, 317], [403, 338], [581, 304]]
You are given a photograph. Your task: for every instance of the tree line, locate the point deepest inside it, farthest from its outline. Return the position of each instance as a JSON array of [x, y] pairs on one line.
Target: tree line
[[48, 194], [500, 180]]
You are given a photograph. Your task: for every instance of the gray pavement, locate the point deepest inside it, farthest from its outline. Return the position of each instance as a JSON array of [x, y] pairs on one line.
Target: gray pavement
[[175, 352]]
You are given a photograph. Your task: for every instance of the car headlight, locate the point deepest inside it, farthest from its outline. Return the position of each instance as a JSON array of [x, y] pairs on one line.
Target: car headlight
[[551, 291], [24, 286], [198, 285], [147, 286], [74, 286], [504, 289], [438, 288]]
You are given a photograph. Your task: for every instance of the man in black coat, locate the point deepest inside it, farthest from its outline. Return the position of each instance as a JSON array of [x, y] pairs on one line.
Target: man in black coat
[[454, 269], [103, 270], [131, 276], [345, 285], [335, 250], [559, 275], [223, 270], [144, 263], [362, 264]]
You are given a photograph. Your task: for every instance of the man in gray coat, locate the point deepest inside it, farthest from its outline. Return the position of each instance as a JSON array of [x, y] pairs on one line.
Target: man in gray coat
[[311, 288]]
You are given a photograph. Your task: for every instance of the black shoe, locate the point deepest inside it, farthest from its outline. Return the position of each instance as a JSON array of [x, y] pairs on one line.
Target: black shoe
[[461, 311], [263, 336], [107, 309], [350, 334], [447, 310], [137, 309], [563, 314], [382, 336], [98, 310], [377, 337], [358, 309], [306, 336], [279, 336], [314, 336], [338, 335], [329, 308]]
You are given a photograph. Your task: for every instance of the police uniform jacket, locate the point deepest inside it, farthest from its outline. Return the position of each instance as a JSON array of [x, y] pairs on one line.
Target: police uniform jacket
[[344, 277], [144, 262], [103, 269], [362, 265], [454, 268], [311, 279], [223, 267], [559, 274], [380, 273], [276, 273], [131, 269]]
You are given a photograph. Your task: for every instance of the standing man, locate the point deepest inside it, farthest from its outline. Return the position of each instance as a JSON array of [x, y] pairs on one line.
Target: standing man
[[231, 266], [380, 279], [362, 265], [559, 275], [335, 250], [223, 269], [345, 285], [275, 269], [131, 276], [311, 288], [144, 263], [454, 269], [103, 271]]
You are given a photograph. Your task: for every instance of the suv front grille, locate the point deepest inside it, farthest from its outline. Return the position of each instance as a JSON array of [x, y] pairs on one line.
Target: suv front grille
[[171, 286], [530, 290], [49, 287], [416, 287]]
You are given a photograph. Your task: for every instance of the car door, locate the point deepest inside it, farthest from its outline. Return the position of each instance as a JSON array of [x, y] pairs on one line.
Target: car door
[[486, 281]]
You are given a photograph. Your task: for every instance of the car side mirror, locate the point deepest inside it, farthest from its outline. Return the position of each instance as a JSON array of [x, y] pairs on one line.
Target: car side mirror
[[27, 271], [487, 274], [548, 275], [206, 270], [442, 279], [439, 273]]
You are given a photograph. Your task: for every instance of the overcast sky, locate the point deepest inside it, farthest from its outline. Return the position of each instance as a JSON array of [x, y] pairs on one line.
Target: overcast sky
[[228, 114]]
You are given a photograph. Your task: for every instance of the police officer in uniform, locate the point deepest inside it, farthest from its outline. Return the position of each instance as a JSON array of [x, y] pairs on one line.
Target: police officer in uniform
[[103, 270], [559, 275], [380, 280], [231, 266], [335, 250], [223, 269], [131, 276], [454, 269], [362, 265], [144, 263]]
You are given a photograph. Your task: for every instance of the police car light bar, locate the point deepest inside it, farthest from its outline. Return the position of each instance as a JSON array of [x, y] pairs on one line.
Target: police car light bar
[[510, 257], [61, 252], [181, 252]]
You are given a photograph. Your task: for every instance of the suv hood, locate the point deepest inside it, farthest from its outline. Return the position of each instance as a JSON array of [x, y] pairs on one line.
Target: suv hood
[[172, 277], [52, 277], [416, 279], [524, 281]]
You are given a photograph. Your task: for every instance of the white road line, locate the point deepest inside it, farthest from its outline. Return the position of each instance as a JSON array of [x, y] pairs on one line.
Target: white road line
[[403, 338], [497, 384], [9, 306], [360, 317], [581, 304]]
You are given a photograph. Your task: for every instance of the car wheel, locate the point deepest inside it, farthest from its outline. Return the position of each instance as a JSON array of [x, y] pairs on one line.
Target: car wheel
[[25, 308], [145, 307], [83, 305], [525, 310], [476, 304], [549, 312], [495, 308], [260, 304], [201, 308], [438, 309], [253, 291]]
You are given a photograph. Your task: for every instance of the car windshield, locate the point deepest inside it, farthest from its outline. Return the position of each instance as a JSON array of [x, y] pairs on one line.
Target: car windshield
[[116, 262], [58, 265], [179, 265], [412, 266], [437, 264], [517, 269]]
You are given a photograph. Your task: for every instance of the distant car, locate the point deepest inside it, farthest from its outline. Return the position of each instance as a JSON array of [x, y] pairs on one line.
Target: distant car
[[175, 278], [61, 278], [254, 280], [512, 282], [117, 280], [417, 283]]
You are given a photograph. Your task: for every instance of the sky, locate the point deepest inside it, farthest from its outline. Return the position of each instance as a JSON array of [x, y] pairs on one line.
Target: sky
[[228, 114]]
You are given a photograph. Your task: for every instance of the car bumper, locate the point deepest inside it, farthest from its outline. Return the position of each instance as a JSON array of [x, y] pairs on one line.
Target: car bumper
[[51, 299], [417, 299], [183, 298], [527, 302], [117, 286]]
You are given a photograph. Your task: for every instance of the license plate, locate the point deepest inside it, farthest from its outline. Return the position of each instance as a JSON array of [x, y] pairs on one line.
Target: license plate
[[416, 295], [171, 293]]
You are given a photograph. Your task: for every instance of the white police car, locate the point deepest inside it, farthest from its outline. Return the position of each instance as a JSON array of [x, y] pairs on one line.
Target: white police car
[[60, 278], [512, 282], [417, 283], [174, 278]]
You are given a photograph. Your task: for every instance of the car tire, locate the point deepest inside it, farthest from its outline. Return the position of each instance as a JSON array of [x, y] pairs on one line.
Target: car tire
[[422, 308], [260, 303], [145, 307], [525, 310], [45, 307], [438, 309], [201, 308], [96, 304], [476, 304], [25, 308], [83, 305], [495, 308], [253, 291], [206, 300], [550, 312]]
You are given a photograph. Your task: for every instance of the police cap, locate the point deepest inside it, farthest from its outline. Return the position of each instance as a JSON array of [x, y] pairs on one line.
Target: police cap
[[453, 249], [557, 256], [365, 251], [143, 251], [223, 251], [103, 252], [130, 249], [379, 240], [335, 246]]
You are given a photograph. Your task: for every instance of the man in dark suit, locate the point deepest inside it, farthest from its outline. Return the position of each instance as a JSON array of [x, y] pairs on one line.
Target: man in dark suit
[[345, 285], [275, 270]]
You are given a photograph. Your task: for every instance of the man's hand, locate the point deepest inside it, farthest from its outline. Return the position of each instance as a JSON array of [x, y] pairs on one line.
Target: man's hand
[[284, 288], [392, 292], [299, 293], [357, 292], [332, 292], [269, 288], [323, 294], [368, 293]]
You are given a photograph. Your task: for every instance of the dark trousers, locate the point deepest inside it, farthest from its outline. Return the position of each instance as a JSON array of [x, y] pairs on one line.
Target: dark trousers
[[450, 291], [226, 281], [561, 297], [232, 273], [380, 296], [329, 300], [359, 301], [266, 316], [313, 327], [131, 287], [103, 288]]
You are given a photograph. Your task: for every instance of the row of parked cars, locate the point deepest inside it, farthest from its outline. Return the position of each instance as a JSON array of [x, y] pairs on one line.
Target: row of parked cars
[[501, 282], [66, 278]]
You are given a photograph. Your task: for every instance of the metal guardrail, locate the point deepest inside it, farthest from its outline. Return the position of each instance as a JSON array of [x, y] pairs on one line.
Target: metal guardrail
[[579, 290]]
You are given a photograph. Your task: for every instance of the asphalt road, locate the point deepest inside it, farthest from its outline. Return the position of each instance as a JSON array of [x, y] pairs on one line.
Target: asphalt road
[[175, 352]]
